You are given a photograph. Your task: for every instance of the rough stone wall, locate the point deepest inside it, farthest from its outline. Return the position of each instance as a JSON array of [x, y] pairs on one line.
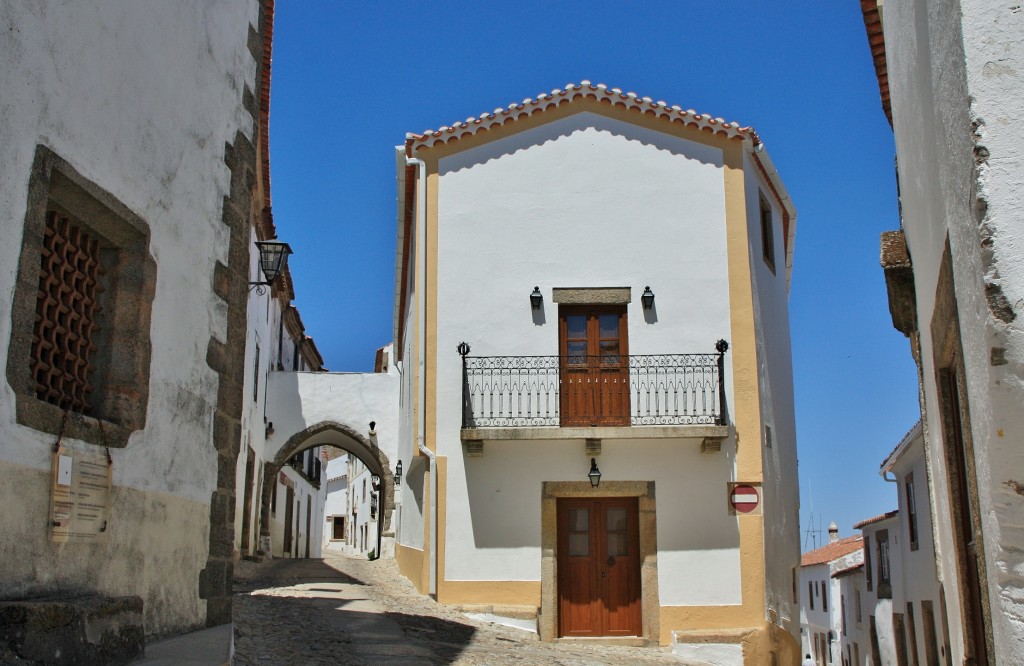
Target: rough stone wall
[[227, 357], [992, 251], [153, 104], [956, 74]]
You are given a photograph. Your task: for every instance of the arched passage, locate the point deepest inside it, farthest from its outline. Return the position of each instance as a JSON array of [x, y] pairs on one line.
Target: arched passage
[[332, 433]]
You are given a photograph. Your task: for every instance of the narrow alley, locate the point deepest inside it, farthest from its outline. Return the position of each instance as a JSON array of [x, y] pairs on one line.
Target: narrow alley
[[344, 610]]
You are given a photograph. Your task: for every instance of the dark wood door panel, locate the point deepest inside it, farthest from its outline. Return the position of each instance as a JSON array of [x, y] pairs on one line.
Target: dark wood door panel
[[599, 567]]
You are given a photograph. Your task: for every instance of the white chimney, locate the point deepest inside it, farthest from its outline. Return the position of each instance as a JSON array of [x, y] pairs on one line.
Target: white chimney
[[833, 532]]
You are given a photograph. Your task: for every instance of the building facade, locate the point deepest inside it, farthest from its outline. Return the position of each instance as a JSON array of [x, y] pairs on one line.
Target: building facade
[[126, 247], [951, 85], [566, 270], [336, 513], [824, 624]]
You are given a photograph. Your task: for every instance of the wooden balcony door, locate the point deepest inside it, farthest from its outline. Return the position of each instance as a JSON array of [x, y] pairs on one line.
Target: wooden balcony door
[[599, 567], [594, 366]]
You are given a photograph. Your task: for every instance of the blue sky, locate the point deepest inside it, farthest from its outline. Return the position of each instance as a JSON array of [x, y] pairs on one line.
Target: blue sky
[[351, 78]]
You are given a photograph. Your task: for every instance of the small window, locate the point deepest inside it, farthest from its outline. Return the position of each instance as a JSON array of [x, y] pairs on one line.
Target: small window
[[842, 612], [256, 374], [908, 485], [867, 562], [768, 437], [767, 234], [810, 593], [858, 612], [884, 572], [80, 335], [824, 597]]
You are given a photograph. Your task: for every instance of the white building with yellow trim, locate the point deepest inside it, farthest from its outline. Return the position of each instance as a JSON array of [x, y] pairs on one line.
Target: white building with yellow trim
[[592, 248]]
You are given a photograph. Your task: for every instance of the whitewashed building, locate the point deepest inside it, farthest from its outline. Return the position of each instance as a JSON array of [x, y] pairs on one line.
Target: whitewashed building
[[950, 76], [823, 620], [129, 143], [128, 153], [566, 269], [898, 610], [364, 506], [336, 512]]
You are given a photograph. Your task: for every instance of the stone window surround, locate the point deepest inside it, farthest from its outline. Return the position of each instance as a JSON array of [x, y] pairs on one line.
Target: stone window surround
[[650, 607], [123, 359]]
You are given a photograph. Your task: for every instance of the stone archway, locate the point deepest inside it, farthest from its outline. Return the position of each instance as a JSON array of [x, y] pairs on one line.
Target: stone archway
[[331, 433]]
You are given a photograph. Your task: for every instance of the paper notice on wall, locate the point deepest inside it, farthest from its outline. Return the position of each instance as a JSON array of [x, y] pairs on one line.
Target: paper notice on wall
[[80, 499]]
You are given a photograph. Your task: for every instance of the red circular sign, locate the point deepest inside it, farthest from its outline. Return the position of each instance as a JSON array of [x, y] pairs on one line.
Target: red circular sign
[[744, 498]]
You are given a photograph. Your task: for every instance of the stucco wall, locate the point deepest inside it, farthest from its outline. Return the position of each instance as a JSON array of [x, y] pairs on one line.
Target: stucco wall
[[299, 400], [955, 72], [494, 512], [102, 86], [584, 201], [781, 488]]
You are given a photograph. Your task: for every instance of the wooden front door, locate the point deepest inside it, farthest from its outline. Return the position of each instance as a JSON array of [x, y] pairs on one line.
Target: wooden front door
[[599, 567], [964, 524], [594, 366]]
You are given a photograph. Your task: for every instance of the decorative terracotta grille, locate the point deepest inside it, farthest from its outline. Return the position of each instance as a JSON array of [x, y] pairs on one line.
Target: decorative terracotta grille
[[66, 311]]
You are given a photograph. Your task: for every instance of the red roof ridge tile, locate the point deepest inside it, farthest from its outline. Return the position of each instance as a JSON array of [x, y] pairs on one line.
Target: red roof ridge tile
[[573, 91], [876, 519], [832, 551]]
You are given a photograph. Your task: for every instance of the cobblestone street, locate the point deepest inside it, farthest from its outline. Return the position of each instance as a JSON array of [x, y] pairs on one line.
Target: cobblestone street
[[342, 610]]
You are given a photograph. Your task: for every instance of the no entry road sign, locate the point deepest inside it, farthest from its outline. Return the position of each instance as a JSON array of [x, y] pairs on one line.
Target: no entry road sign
[[744, 498]]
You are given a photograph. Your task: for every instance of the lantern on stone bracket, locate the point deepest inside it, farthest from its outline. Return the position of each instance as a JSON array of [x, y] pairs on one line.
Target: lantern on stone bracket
[[595, 474]]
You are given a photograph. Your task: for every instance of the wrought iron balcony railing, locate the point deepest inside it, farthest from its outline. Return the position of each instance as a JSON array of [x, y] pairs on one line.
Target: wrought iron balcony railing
[[609, 390]]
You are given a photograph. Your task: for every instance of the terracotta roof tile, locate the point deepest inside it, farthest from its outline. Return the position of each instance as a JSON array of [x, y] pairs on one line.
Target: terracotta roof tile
[[572, 91], [832, 551], [876, 41], [848, 570], [875, 519]]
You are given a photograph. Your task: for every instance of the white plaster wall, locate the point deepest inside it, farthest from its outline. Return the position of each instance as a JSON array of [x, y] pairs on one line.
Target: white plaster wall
[[856, 634], [140, 99], [955, 72], [360, 505], [813, 620], [780, 489], [918, 577], [70, 70], [298, 400], [581, 202], [494, 512], [883, 609]]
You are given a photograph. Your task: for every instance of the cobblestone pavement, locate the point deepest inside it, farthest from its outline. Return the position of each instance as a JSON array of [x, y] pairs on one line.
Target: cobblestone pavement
[[343, 610]]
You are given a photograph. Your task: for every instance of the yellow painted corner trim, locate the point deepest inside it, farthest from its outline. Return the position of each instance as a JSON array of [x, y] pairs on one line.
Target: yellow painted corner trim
[[746, 404], [490, 592]]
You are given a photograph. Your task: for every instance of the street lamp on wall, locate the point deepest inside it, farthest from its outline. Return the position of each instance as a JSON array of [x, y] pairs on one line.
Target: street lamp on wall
[[273, 261], [647, 298], [595, 474], [536, 298], [398, 473]]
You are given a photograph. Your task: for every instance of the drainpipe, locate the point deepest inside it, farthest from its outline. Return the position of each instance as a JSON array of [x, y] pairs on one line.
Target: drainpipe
[[421, 309]]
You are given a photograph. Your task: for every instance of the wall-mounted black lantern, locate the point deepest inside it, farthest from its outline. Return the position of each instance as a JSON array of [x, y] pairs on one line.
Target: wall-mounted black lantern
[[595, 474], [536, 298], [373, 428], [375, 482], [398, 473], [647, 298], [273, 261]]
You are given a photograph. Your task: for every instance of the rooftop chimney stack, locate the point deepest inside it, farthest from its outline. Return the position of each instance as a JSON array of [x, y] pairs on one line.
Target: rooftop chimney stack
[[833, 532]]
